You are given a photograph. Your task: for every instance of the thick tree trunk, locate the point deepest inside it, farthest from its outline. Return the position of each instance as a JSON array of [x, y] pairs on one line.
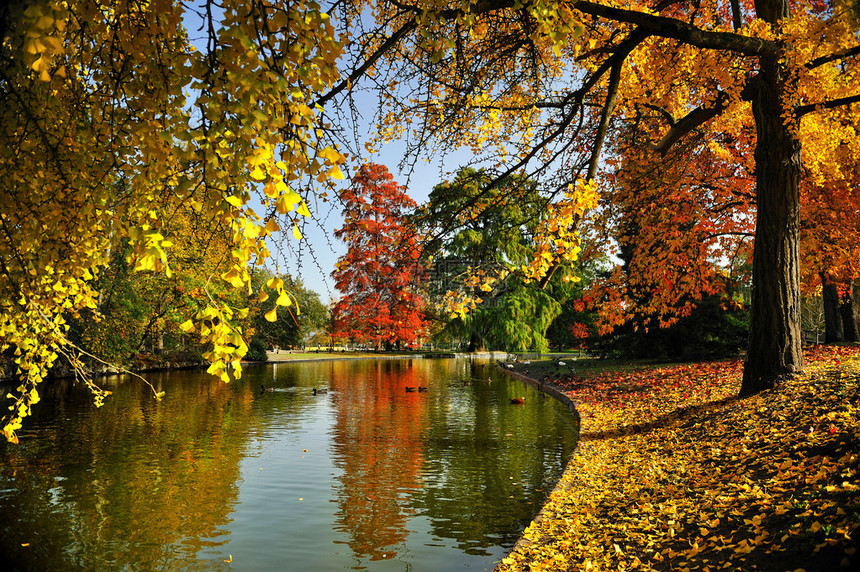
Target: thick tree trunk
[[775, 334], [849, 322], [832, 319]]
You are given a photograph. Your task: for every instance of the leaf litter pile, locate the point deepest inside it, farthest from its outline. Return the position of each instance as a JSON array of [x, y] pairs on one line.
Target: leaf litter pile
[[674, 472]]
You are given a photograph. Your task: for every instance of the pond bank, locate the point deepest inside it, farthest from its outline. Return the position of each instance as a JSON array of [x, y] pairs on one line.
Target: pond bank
[[284, 356], [674, 472]]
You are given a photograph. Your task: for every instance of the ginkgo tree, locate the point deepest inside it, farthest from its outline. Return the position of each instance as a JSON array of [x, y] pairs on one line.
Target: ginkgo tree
[[113, 113], [539, 84]]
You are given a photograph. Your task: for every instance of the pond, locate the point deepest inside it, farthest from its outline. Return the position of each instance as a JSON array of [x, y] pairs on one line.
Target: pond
[[222, 476]]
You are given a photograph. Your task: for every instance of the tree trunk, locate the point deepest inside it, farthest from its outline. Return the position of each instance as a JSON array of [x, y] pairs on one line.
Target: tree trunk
[[475, 343], [830, 300], [774, 349], [849, 323]]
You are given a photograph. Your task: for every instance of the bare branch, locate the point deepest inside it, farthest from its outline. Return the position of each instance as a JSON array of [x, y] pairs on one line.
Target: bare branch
[[358, 72]]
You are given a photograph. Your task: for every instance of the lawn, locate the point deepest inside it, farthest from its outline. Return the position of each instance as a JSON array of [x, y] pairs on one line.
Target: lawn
[[674, 472]]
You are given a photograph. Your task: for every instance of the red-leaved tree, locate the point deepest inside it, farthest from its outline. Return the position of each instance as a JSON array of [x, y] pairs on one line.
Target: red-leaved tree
[[380, 274]]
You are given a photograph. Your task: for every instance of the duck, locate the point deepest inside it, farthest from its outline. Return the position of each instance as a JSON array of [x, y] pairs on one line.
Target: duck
[[422, 389], [518, 400], [320, 391], [410, 389], [263, 388]]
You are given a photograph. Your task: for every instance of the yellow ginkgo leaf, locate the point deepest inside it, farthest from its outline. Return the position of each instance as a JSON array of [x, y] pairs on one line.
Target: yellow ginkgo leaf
[[336, 173]]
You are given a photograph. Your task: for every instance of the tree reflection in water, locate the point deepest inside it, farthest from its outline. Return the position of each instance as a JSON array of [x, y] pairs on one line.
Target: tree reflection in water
[[365, 474]]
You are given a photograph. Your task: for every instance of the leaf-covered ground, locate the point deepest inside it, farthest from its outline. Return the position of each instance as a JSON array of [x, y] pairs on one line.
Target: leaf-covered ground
[[674, 472]]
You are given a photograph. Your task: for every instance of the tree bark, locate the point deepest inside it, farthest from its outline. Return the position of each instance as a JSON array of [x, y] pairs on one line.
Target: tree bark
[[774, 348], [846, 310], [830, 300]]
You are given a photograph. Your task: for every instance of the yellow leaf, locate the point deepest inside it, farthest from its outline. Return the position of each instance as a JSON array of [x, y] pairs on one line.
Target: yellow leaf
[[297, 234], [187, 326], [336, 173], [272, 315], [816, 526]]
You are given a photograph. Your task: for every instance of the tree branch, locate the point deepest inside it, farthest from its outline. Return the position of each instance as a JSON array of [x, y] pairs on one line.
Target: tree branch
[[833, 57], [737, 24], [691, 121], [809, 108], [680, 30], [369, 62], [606, 114]]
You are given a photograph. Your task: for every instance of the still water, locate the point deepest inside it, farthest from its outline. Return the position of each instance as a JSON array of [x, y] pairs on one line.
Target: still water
[[226, 477]]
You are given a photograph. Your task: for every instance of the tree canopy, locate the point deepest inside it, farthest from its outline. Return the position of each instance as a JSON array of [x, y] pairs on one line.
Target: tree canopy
[[115, 113], [381, 273], [540, 85]]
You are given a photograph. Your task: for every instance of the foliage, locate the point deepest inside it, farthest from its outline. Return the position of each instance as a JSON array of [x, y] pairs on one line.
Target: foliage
[[712, 330], [672, 216], [480, 228], [295, 324], [673, 472], [141, 312], [112, 115], [380, 275], [543, 86]]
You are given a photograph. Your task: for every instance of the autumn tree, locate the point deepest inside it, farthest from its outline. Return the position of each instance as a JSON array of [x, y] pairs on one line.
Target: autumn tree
[[830, 243], [380, 274], [540, 84], [140, 313], [115, 112], [682, 222]]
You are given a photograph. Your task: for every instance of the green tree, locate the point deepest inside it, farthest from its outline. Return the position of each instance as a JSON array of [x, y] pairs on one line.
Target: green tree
[[479, 226], [294, 324]]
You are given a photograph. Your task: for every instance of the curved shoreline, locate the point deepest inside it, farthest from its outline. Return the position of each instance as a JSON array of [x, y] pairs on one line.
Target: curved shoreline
[[558, 393]]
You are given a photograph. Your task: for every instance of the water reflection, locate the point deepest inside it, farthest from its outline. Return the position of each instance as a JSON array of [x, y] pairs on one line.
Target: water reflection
[[367, 475], [137, 481], [378, 442]]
